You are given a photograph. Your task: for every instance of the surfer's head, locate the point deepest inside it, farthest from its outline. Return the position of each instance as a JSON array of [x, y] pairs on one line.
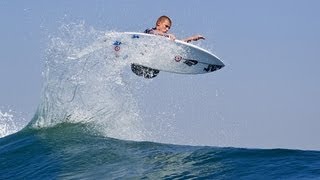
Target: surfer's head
[[163, 24]]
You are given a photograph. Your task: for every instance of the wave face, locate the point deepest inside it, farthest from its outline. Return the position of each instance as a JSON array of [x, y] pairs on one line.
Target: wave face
[[71, 151]]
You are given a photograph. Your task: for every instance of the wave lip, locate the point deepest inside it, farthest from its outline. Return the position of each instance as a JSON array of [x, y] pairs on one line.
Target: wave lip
[[92, 88]]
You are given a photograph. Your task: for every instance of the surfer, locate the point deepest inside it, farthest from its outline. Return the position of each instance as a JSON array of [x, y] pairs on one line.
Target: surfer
[[163, 25]]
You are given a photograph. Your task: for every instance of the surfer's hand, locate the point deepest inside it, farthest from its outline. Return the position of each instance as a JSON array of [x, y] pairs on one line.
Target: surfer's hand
[[197, 37], [172, 37]]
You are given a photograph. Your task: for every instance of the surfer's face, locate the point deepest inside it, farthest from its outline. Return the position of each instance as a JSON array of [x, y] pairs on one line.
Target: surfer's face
[[164, 26]]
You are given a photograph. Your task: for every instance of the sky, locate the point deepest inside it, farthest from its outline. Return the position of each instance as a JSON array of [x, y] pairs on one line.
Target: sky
[[267, 95]]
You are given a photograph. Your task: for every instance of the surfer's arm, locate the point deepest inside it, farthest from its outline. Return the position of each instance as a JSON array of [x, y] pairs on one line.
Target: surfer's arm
[[193, 38]]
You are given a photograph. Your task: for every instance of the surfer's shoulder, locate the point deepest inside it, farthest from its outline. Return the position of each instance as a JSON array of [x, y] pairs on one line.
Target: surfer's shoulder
[[150, 30]]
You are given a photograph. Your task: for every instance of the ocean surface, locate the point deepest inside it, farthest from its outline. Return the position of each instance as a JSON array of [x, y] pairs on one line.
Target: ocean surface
[[71, 151], [90, 125]]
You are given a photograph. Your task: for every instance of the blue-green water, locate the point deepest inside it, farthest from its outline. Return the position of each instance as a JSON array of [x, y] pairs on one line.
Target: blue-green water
[[71, 151]]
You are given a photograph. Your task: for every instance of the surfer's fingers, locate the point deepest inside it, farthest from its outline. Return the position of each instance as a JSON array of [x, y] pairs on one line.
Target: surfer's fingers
[[197, 37], [172, 37], [201, 37]]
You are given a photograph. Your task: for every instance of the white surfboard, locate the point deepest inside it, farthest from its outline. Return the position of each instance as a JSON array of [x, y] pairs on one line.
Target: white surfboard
[[156, 52]]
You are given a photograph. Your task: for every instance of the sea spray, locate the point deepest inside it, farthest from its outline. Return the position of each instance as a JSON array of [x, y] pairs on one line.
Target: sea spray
[[10, 122], [87, 81], [90, 89]]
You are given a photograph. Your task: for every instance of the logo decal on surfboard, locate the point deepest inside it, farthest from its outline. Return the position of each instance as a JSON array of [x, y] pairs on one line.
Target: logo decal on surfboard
[[117, 43], [212, 68], [177, 58], [117, 48], [190, 62]]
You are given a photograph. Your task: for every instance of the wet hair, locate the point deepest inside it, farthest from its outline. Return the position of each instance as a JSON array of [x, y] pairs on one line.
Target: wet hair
[[163, 18]]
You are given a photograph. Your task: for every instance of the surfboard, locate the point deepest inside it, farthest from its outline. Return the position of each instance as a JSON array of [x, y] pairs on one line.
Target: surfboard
[[156, 52]]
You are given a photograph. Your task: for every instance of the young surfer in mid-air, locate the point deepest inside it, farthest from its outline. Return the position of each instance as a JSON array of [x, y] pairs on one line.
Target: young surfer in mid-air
[[163, 25]]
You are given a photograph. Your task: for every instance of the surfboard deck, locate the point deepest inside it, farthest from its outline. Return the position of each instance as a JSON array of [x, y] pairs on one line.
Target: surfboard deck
[[156, 52], [160, 53]]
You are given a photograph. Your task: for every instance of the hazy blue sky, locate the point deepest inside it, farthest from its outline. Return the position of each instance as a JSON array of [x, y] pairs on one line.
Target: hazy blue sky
[[267, 95]]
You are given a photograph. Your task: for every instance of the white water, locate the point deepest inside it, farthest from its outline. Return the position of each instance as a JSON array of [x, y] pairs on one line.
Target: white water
[[10, 122], [96, 88]]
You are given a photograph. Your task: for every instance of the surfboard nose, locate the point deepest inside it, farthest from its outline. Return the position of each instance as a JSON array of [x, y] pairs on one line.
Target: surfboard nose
[[222, 65]]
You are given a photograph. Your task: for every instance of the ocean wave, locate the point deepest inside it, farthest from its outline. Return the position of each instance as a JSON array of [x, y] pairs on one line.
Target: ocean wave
[[69, 150], [84, 82]]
